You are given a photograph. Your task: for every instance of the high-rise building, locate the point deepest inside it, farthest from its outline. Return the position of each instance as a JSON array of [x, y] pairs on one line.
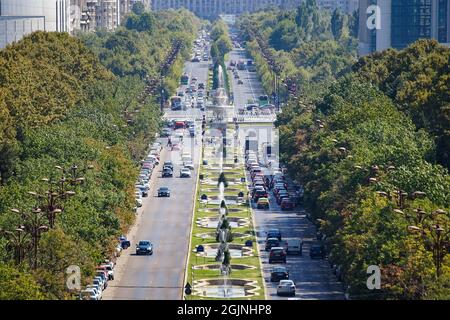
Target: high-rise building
[[401, 22], [21, 17]]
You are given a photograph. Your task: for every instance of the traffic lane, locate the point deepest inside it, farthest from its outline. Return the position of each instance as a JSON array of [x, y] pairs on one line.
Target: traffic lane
[[312, 277], [166, 223]]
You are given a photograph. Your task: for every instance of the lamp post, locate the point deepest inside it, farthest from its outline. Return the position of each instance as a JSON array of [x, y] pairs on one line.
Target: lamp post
[[439, 243], [33, 226], [17, 239]]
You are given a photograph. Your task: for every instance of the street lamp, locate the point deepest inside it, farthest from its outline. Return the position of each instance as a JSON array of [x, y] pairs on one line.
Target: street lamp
[[439, 243], [33, 226], [17, 239]]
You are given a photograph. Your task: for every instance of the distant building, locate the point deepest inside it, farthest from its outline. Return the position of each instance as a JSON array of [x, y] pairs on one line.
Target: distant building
[[402, 23], [346, 6], [213, 8]]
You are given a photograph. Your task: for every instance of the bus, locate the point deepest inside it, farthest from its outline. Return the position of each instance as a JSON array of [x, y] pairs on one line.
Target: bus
[[184, 79], [263, 100], [175, 103]]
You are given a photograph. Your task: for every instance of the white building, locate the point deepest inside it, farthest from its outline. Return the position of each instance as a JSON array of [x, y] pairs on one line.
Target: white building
[[346, 6]]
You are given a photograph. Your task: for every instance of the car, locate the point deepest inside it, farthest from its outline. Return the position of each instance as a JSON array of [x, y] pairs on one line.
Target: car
[[89, 294], [109, 269], [142, 189], [139, 202], [144, 247], [274, 233], [317, 251], [185, 173], [236, 76], [240, 81], [201, 86], [263, 203], [167, 172], [104, 277], [272, 242], [279, 273], [259, 193], [281, 196], [195, 59], [286, 287], [163, 192], [188, 164], [287, 204], [294, 246], [124, 243], [277, 254], [165, 132], [97, 287]]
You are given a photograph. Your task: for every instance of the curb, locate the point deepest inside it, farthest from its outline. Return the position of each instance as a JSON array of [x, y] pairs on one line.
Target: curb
[[183, 296]]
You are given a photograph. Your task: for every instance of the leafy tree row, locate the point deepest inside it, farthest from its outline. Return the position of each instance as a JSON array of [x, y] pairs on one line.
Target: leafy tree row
[[82, 108]]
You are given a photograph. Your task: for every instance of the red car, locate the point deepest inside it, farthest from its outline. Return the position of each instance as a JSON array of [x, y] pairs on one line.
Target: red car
[[287, 204]]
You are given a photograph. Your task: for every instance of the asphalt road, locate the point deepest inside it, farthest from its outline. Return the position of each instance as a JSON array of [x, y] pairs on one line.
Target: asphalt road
[[166, 222], [313, 278]]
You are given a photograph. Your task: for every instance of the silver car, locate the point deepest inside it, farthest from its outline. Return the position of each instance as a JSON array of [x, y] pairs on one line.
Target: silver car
[[286, 287]]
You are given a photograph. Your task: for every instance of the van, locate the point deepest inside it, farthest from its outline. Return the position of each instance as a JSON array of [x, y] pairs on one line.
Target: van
[[294, 246]]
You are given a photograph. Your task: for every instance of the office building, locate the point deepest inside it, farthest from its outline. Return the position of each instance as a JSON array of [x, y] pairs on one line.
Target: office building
[[402, 23]]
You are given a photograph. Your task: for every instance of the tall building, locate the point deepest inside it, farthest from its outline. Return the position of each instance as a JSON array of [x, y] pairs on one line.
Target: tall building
[[401, 23], [346, 6], [212, 8], [21, 17]]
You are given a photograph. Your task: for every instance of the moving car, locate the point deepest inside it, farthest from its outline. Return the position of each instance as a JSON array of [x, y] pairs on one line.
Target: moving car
[[277, 254], [287, 204], [260, 192], [294, 246], [286, 287], [144, 247], [240, 81], [271, 243], [263, 203], [274, 233], [168, 164], [163, 192], [185, 173], [279, 273], [167, 172], [317, 251], [189, 165]]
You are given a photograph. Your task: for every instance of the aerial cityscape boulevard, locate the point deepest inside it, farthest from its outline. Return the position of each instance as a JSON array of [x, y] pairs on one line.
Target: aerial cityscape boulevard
[[240, 151]]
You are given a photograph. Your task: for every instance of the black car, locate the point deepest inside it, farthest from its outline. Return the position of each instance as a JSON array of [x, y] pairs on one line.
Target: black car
[[167, 172], [317, 251], [277, 254], [279, 273], [163, 192], [274, 233], [272, 242], [144, 247]]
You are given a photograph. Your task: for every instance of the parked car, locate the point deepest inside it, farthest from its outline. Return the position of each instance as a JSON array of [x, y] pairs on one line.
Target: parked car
[[185, 173], [124, 243], [142, 189], [274, 233], [109, 269], [279, 273], [317, 251], [163, 192], [97, 288], [272, 242], [294, 246], [286, 287], [263, 203], [89, 294], [144, 247], [277, 254]]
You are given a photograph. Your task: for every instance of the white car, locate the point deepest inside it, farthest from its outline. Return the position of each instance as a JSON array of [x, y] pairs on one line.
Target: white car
[[96, 286], [286, 287], [93, 294], [138, 198], [185, 173], [110, 271], [189, 165]]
